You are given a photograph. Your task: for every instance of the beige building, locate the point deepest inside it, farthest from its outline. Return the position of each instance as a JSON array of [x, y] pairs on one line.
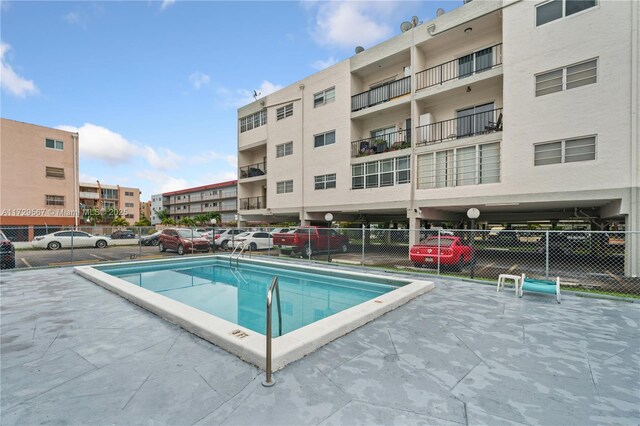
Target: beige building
[[517, 108], [145, 209], [218, 197], [38, 179], [111, 200]]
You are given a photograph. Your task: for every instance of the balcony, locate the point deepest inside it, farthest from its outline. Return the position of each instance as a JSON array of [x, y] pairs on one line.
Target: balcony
[[465, 66], [89, 195], [461, 127], [381, 94], [253, 203], [253, 170], [383, 143]]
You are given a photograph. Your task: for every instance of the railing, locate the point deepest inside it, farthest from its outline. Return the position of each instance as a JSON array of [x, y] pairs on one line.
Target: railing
[[465, 66], [274, 286], [381, 94], [456, 128], [90, 195], [383, 143], [242, 246], [252, 203], [259, 169]]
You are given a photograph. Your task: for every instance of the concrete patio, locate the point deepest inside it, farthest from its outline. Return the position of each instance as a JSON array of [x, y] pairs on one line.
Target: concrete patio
[[74, 353]]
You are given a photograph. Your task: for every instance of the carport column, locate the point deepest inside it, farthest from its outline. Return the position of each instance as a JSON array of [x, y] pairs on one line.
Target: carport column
[[415, 223]]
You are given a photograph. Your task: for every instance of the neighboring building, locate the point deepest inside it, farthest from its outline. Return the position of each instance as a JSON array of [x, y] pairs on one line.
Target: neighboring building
[[145, 209], [518, 108], [219, 197], [156, 206], [110, 199], [38, 179]]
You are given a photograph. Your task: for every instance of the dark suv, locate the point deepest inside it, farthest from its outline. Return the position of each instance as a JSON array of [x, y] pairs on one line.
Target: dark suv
[[7, 253], [182, 240], [123, 235]]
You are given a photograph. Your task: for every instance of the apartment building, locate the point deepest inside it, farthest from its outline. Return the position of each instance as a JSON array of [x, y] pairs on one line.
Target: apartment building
[[156, 206], [145, 209], [110, 200], [38, 179], [518, 108], [190, 202]]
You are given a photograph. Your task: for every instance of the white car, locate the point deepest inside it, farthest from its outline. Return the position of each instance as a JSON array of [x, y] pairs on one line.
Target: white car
[[62, 239], [259, 240], [225, 238]]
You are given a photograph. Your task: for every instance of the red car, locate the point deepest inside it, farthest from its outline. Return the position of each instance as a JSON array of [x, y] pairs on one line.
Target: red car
[[182, 240], [453, 252]]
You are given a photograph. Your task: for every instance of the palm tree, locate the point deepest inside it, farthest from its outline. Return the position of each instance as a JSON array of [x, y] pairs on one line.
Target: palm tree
[[143, 222], [187, 221], [119, 221], [201, 219], [214, 215], [168, 221]]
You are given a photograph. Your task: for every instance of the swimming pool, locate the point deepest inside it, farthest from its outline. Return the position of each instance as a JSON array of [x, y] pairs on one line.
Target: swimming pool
[[226, 304]]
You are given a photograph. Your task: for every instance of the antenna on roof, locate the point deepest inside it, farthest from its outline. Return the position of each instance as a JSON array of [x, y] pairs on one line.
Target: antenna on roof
[[406, 26], [256, 94], [359, 49], [440, 11], [415, 21]]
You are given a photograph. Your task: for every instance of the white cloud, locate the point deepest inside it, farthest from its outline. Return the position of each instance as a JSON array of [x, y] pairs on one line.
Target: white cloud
[[162, 182], [162, 159], [103, 144], [10, 80], [198, 79], [351, 23], [246, 96], [166, 3], [72, 18], [85, 178], [212, 156], [322, 64]]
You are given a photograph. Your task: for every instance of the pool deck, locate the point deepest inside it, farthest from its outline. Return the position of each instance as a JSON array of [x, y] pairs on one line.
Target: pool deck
[[73, 353]]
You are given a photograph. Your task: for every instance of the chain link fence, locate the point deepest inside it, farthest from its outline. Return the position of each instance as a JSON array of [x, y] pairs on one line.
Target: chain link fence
[[598, 262]]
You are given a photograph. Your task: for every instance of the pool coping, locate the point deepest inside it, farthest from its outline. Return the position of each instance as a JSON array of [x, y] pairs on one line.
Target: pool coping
[[248, 344]]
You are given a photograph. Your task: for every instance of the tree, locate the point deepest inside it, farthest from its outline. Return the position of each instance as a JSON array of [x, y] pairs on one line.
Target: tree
[[187, 221], [143, 222], [168, 221], [214, 215], [119, 221], [163, 214], [201, 219]]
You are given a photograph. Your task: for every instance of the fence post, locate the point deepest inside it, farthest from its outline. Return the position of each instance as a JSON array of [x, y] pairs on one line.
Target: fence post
[[362, 256], [72, 231], [546, 255], [439, 235], [140, 241]]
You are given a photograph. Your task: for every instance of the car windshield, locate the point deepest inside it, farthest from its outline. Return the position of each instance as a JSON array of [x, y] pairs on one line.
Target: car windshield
[[433, 242], [188, 233], [244, 234]]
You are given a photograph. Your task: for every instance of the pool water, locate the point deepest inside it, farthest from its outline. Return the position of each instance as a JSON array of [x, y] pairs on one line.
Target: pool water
[[238, 294]]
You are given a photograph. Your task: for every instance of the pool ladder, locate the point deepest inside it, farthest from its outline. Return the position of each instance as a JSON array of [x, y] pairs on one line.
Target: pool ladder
[[242, 246], [273, 287]]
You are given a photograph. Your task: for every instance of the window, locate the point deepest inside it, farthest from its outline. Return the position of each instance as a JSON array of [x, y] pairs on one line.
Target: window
[[284, 149], [324, 97], [479, 61], [129, 216], [128, 193], [128, 204], [471, 165], [110, 193], [54, 200], [55, 172], [325, 181], [284, 187], [54, 144], [324, 139], [284, 112], [566, 78], [374, 174], [556, 9], [254, 120], [566, 151]]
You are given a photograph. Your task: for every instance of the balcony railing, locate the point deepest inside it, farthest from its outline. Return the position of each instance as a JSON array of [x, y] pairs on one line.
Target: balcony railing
[[253, 170], [91, 195], [381, 94], [383, 143], [252, 203], [465, 66], [456, 128]]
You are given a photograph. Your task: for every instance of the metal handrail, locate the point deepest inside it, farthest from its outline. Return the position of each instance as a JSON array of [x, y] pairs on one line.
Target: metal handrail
[[274, 286], [242, 246]]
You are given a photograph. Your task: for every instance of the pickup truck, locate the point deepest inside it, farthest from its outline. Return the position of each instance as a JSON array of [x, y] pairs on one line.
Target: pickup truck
[[308, 240]]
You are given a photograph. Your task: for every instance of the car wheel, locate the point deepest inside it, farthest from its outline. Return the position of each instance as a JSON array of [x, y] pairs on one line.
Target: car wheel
[[344, 248], [307, 251], [161, 247], [180, 250], [285, 252], [54, 245], [155, 242], [253, 247], [417, 264], [224, 245], [460, 264], [101, 243]]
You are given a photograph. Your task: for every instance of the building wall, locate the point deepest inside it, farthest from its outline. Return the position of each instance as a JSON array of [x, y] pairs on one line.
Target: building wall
[[24, 184], [219, 198], [156, 206], [129, 203]]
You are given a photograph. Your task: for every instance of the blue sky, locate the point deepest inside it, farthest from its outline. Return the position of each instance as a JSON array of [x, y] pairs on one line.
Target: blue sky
[[153, 87]]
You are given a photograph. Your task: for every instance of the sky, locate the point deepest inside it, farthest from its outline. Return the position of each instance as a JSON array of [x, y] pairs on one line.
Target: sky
[[153, 87]]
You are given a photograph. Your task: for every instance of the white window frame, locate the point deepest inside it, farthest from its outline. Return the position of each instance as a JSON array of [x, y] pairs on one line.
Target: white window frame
[[564, 12], [563, 153], [324, 139], [379, 169], [284, 149], [252, 121], [284, 112], [58, 145], [284, 187], [323, 182], [325, 99], [564, 70], [54, 200]]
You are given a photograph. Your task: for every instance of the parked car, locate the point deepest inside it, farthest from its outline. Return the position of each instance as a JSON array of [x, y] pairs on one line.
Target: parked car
[[7, 253], [223, 239], [258, 240], [182, 240], [451, 251], [278, 231], [151, 239], [124, 234], [559, 244], [64, 239], [308, 240]]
